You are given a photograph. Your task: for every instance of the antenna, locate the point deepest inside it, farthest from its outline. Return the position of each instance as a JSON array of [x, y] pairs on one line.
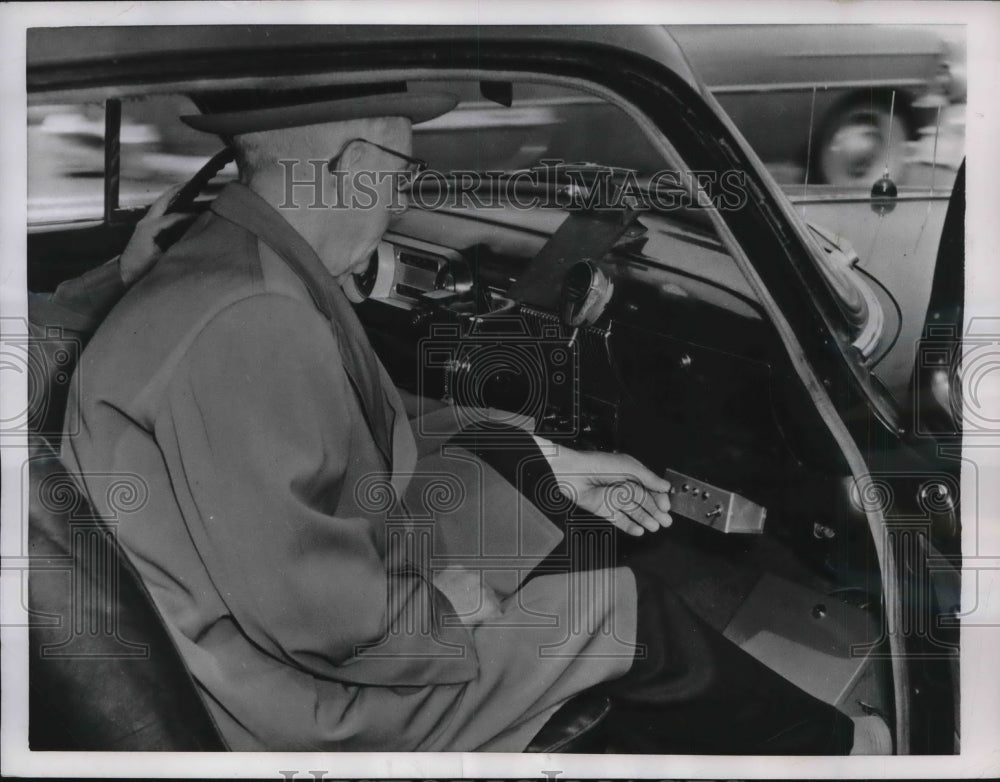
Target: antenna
[[937, 131], [888, 140], [809, 147], [884, 190]]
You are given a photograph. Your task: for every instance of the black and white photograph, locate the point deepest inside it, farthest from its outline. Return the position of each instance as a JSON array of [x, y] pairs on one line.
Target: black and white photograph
[[431, 391]]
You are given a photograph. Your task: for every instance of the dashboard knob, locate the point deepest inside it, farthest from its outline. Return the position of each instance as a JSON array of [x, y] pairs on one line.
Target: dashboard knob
[[376, 280], [587, 289]]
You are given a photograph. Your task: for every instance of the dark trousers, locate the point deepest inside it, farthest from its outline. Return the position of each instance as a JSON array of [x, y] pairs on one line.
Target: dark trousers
[[689, 690]]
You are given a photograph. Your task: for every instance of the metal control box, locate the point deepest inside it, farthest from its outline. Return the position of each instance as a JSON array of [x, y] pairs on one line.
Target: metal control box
[[720, 509]]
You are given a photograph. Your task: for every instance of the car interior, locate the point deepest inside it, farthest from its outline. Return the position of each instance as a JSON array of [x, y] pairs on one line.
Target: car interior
[[614, 328]]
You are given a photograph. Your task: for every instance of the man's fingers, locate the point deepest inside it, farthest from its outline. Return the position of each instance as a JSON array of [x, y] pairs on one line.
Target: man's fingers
[[658, 487], [629, 498], [651, 505], [641, 516], [662, 500], [164, 222], [621, 520], [633, 500], [644, 511], [650, 479], [159, 206]]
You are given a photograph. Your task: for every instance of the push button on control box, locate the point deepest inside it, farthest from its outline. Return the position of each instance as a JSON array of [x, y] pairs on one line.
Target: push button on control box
[[720, 509]]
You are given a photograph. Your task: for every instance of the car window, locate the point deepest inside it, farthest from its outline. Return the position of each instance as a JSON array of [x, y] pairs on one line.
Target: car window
[[524, 127], [920, 160], [157, 150], [833, 106], [66, 169], [543, 122], [66, 153]]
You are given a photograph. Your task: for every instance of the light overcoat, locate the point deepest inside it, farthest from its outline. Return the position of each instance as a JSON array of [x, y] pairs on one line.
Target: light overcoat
[[287, 522]]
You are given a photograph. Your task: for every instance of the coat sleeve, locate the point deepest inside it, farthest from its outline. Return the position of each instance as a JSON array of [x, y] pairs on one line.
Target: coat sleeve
[[256, 433], [80, 304], [60, 324]]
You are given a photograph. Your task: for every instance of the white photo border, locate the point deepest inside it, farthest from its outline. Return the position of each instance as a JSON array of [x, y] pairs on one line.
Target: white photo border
[[980, 721]]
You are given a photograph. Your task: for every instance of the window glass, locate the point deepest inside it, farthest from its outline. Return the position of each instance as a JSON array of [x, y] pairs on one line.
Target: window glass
[[543, 122], [65, 162], [66, 156], [832, 106], [158, 150]]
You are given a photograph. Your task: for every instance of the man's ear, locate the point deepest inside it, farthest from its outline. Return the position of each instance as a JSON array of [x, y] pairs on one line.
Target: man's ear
[[351, 156]]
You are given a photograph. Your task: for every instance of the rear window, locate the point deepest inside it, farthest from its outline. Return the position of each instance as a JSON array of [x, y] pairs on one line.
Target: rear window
[[65, 162], [66, 156]]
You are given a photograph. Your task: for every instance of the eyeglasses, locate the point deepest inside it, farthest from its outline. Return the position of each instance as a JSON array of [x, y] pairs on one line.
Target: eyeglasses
[[414, 165]]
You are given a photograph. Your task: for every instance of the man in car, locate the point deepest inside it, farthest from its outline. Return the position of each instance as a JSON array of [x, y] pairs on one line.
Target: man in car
[[281, 539]]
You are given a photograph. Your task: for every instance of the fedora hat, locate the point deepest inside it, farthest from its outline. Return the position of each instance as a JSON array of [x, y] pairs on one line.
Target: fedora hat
[[249, 111]]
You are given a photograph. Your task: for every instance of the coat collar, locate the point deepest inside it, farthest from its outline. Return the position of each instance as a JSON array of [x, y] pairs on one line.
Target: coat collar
[[240, 205]]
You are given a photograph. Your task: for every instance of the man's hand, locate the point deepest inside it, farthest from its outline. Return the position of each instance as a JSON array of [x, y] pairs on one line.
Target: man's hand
[[473, 599], [612, 485], [142, 252]]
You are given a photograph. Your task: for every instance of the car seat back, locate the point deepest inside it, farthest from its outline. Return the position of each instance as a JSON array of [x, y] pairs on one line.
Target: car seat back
[[104, 673]]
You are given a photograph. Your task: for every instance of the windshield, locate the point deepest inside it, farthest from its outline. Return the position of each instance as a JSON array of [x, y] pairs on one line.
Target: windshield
[[542, 123]]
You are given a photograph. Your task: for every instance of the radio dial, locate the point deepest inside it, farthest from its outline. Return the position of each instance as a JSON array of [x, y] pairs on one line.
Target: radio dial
[[586, 293]]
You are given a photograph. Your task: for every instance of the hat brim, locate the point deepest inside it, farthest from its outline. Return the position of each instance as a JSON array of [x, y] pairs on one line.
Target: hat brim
[[414, 106]]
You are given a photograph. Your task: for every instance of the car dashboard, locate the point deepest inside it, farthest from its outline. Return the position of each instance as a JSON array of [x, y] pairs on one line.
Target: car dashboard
[[636, 334], [639, 334]]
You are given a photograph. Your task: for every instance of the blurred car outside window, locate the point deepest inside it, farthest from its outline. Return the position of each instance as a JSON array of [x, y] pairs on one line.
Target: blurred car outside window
[[67, 157], [66, 162], [158, 150]]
